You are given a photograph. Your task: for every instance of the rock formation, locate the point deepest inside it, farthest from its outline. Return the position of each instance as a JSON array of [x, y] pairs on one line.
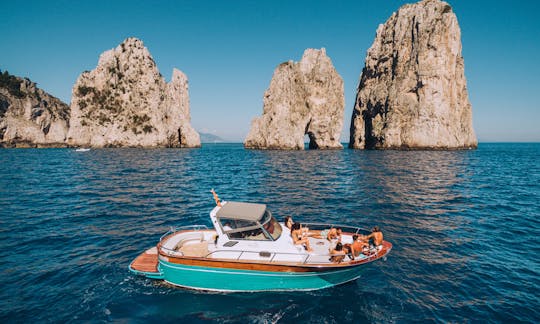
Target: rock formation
[[125, 101], [30, 117], [303, 98], [412, 92]]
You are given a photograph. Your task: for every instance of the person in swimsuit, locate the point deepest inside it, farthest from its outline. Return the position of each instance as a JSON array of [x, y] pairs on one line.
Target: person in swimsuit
[[347, 248], [329, 234], [288, 222], [338, 234], [376, 236], [358, 245], [323, 233], [337, 253], [299, 237]]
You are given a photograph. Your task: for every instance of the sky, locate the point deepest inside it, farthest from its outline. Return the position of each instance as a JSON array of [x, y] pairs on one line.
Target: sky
[[229, 50]]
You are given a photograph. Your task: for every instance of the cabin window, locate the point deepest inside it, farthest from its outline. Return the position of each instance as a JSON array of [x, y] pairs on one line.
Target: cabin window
[[243, 230], [231, 224], [256, 234]]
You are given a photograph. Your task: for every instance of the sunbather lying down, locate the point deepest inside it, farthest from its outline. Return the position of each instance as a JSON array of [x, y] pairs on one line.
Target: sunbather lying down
[[330, 234]]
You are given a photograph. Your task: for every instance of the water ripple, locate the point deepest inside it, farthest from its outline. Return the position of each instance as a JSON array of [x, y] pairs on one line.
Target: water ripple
[[465, 227]]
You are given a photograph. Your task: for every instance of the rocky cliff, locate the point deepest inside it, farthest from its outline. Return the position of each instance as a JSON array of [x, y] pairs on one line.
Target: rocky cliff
[[30, 117], [413, 92], [125, 101], [305, 97]]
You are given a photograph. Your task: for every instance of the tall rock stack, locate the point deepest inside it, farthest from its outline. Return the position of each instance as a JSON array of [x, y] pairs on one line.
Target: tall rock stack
[[413, 92], [125, 101], [30, 117], [304, 97]]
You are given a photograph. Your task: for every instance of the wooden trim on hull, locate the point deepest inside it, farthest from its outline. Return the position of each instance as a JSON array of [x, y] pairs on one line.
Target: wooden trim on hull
[[271, 267], [146, 262]]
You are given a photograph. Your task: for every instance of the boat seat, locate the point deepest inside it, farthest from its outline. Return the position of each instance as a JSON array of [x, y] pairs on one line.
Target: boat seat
[[190, 238], [199, 249]]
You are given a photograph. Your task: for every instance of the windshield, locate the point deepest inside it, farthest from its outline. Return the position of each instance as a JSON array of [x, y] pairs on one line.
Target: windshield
[[271, 225], [232, 224], [246, 230], [256, 234]]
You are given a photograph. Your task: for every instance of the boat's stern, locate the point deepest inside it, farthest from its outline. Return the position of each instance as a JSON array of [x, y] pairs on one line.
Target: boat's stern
[[146, 264]]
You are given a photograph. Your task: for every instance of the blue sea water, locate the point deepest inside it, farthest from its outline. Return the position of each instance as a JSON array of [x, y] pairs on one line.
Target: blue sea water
[[465, 227]]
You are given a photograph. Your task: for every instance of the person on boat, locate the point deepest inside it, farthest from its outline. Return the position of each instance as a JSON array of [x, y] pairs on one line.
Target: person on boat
[[299, 237], [347, 248], [328, 234], [337, 253], [338, 234], [288, 222], [227, 226], [376, 236], [358, 245], [332, 234]]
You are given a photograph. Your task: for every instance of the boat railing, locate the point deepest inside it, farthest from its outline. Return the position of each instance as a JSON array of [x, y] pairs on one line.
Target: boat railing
[[298, 258], [345, 228], [173, 230]]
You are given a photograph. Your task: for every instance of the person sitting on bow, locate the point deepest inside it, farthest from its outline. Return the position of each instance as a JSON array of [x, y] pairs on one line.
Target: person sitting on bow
[[376, 236]]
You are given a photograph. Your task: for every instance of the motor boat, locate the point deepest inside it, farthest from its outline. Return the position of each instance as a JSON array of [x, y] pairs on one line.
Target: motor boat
[[249, 250]]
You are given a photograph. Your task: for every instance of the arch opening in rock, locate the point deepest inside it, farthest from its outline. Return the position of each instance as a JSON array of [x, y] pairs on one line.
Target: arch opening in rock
[[308, 94], [309, 138], [180, 137], [312, 141]]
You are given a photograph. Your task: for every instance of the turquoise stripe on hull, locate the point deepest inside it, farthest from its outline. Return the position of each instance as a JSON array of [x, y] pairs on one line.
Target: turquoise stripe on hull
[[248, 280], [151, 275]]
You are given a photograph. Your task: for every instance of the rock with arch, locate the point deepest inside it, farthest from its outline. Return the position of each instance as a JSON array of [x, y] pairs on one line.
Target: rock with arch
[[304, 98]]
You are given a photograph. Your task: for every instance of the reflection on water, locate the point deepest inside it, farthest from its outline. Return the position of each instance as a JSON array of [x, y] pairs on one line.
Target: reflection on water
[[464, 225]]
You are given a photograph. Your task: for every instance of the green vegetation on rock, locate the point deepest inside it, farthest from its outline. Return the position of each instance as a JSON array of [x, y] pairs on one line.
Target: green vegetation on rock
[[12, 84]]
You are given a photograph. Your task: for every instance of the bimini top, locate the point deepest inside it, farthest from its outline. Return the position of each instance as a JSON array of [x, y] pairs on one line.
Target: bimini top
[[241, 210]]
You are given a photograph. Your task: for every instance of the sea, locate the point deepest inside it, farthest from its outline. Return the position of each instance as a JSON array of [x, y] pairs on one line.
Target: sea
[[465, 229]]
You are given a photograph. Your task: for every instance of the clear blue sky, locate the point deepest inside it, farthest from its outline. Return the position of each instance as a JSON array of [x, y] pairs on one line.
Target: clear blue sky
[[229, 50]]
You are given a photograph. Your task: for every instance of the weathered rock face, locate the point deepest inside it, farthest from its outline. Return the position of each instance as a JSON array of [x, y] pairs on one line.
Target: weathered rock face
[[303, 98], [412, 91], [30, 117], [125, 101]]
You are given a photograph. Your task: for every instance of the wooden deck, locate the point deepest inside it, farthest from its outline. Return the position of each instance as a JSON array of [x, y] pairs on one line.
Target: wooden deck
[[146, 261]]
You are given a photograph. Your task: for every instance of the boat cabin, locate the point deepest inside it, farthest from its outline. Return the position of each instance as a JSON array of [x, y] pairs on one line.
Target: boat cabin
[[246, 224]]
